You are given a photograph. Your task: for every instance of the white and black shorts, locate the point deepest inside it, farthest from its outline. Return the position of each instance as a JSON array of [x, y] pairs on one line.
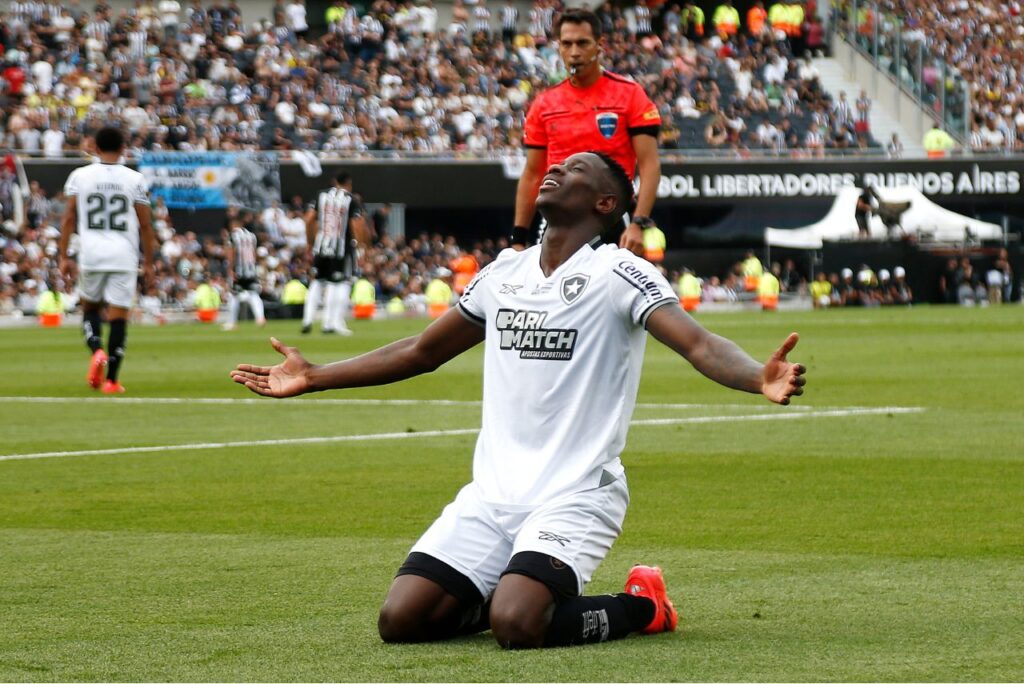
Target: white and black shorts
[[240, 285], [116, 288], [332, 269], [478, 540]]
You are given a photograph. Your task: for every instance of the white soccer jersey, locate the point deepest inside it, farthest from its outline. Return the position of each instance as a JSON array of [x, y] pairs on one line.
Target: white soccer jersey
[[561, 368], [108, 228]]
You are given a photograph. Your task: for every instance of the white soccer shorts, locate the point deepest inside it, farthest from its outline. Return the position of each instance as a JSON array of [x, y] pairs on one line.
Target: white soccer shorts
[[116, 288], [478, 538]]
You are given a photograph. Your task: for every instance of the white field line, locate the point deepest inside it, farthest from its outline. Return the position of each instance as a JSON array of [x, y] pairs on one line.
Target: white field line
[[227, 401], [834, 413]]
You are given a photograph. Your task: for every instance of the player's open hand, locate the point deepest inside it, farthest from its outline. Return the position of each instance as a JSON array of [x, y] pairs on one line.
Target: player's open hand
[[783, 379], [286, 379], [633, 239]]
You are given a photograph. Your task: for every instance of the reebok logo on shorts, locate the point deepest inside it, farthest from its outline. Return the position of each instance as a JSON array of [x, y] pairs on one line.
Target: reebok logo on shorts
[[551, 536]]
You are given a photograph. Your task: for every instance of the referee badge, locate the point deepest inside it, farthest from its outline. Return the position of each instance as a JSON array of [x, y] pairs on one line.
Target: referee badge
[[607, 122], [573, 286]]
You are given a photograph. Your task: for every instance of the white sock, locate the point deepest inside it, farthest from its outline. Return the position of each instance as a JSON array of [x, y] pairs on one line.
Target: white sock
[[312, 302], [256, 305], [233, 302], [341, 292], [331, 307]]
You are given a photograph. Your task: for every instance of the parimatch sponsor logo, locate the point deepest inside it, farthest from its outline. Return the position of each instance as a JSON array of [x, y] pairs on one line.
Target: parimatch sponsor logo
[[524, 331]]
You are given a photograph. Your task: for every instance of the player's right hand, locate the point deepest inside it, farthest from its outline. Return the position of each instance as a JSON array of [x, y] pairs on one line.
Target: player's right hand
[[286, 379]]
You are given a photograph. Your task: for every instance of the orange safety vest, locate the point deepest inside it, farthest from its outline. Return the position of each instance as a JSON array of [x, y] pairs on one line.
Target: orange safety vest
[[756, 17]]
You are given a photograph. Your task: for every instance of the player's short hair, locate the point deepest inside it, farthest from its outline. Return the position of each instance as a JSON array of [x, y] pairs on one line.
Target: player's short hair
[[109, 139], [343, 178], [578, 15], [622, 184]]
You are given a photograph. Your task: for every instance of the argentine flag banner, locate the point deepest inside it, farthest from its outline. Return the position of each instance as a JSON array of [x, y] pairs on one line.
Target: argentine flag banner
[[213, 180]]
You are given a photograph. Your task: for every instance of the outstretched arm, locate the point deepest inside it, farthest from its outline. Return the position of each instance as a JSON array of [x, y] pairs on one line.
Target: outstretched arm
[[723, 361], [443, 340]]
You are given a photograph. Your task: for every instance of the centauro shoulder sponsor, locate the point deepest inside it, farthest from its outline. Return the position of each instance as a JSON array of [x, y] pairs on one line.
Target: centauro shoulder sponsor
[[635, 276], [524, 331]]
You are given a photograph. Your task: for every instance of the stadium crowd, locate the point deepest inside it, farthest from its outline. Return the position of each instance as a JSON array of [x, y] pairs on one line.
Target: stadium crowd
[[392, 79], [981, 43]]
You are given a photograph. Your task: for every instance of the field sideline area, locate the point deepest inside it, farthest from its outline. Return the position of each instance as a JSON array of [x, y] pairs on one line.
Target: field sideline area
[[873, 531]]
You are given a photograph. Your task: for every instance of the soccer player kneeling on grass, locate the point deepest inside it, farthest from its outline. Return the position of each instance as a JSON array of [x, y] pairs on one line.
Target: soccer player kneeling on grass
[[565, 326]]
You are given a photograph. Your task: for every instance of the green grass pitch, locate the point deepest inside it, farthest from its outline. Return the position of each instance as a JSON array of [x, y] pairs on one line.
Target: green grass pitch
[[840, 545]]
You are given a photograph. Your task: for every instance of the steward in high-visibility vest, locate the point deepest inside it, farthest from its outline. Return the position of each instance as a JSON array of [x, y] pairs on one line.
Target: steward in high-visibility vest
[[294, 292], [756, 18], [937, 141], [726, 19], [207, 301], [796, 20], [50, 307], [654, 244], [439, 294], [777, 17], [821, 291], [395, 307], [689, 291], [692, 20], [465, 267], [768, 292], [364, 299], [752, 271]]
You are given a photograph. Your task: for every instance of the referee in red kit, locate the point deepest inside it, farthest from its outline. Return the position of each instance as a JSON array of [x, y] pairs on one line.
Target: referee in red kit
[[592, 110]]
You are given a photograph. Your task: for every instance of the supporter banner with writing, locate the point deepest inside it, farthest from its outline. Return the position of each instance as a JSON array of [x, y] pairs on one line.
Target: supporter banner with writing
[[213, 180]]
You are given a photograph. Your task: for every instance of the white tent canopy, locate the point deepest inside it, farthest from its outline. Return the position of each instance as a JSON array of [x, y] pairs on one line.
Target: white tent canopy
[[924, 218]]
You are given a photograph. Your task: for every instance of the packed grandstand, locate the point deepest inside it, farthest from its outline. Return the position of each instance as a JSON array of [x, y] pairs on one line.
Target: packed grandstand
[[397, 79]]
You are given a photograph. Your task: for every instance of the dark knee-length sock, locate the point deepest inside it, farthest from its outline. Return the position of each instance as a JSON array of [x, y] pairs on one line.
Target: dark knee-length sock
[[92, 330], [590, 619], [115, 345]]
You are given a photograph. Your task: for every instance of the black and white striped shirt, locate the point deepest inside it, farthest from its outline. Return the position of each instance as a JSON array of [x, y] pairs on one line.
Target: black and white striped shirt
[[481, 19], [841, 113], [137, 43], [335, 210], [243, 243], [509, 18], [863, 109], [536, 22], [98, 29], [643, 20]]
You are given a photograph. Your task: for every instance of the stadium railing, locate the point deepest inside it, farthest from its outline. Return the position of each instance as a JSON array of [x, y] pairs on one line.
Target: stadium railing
[[666, 155], [902, 52]]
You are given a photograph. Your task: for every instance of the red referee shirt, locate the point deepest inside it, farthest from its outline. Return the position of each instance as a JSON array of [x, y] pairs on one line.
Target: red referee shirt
[[604, 117]]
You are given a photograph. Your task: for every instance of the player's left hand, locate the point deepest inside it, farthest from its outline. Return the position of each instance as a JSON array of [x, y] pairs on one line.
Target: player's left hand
[[782, 379], [67, 267], [633, 239], [286, 379], [148, 276]]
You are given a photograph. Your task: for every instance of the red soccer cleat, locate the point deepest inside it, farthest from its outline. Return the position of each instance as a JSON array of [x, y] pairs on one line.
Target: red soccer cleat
[[647, 581], [96, 367], [111, 387]]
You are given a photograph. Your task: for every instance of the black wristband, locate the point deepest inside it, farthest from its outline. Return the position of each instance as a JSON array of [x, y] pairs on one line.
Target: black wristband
[[520, 236], [642, 221]]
